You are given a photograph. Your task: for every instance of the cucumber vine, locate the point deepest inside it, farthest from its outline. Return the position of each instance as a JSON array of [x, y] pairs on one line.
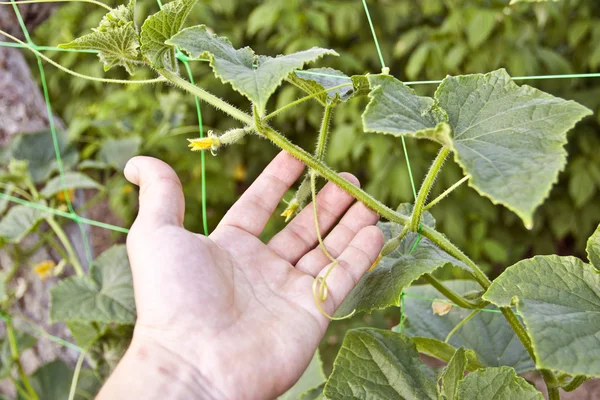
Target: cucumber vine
[[509, 141]]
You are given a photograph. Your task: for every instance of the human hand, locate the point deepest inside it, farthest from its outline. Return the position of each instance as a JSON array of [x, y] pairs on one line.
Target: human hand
[[227, 316]]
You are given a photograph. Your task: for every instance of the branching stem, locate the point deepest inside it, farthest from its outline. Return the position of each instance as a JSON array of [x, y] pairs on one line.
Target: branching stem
[[450, 294], [415, 220]]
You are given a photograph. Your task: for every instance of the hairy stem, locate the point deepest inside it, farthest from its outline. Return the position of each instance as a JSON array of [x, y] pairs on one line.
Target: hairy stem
[[324, 132], [451, 295], [446, 193], [14, 350], [323, 170], [207, 97], [415, 220], [60, 233]]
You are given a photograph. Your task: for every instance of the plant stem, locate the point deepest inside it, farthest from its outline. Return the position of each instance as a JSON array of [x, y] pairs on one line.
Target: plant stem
[[14, 350], [575, 383], [207, 97], [415, 220], [323, 170], [76, 374], [303, 99], [60, 233], [324, 132], [446, 193], [451, 295], [460, 325]]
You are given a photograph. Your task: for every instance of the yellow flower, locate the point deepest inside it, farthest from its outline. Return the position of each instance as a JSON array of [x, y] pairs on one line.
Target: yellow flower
[[206, 143], [127, 189], [239, 173], [44, 269], [441, 307], [61, 195], [290, 211], [379, 257]]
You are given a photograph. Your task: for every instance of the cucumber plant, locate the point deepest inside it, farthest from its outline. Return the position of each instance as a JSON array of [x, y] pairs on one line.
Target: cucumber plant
[[540, 314]]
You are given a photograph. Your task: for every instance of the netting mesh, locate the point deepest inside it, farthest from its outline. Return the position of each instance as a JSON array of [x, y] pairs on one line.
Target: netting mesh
[[81, 221]]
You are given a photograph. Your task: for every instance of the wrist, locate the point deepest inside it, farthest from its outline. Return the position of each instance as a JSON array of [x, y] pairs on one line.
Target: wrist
[[151, 371]]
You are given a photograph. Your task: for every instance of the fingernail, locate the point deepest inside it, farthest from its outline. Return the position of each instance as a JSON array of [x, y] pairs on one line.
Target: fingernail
[[131, 172]]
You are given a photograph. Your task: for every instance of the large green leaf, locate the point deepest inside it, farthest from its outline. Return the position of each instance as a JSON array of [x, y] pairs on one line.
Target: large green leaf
[[72, 180], [593, 248], [453, 373], [254, 76], [116, 152], [159, 28], [312, 378], [559, 301], [317, 80], [379, 364], [38, 150], [105, 296], [487, 333], [382, 287], [500, 383], [19, 221], [508, 139], [115, 39], [395, 109]]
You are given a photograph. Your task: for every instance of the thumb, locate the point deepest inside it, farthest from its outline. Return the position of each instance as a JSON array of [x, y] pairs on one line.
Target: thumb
[[161, 197]]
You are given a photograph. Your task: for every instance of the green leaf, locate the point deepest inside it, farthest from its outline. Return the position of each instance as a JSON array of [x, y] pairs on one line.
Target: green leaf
[[84, 333], [255, 76], [396, 110], [72, 180], [500, 383], [116, 47], [453, 373], [311, 379], [312, 83], [487, 333], [159, 28], [396, 272], [443, 351], [38, 150], [509, 139], [53, 382], [379, 364], [24, 342], [480, 27], [19, 221], [593, 248], [559, 301], [528, 1], [116, 152], [105, 296]]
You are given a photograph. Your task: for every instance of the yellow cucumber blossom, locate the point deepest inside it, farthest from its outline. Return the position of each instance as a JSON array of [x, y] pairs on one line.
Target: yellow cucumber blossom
[[291, 209], [44, 269], [205, 143], [62, 197]]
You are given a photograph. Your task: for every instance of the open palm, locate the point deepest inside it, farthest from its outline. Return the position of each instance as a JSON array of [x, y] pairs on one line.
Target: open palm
[[238, 311]]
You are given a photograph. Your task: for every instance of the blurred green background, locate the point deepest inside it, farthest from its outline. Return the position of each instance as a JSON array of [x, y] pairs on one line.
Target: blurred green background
[[421, 40]]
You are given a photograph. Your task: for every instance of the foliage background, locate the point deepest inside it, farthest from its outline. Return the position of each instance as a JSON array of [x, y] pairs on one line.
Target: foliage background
[[420, 41]]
